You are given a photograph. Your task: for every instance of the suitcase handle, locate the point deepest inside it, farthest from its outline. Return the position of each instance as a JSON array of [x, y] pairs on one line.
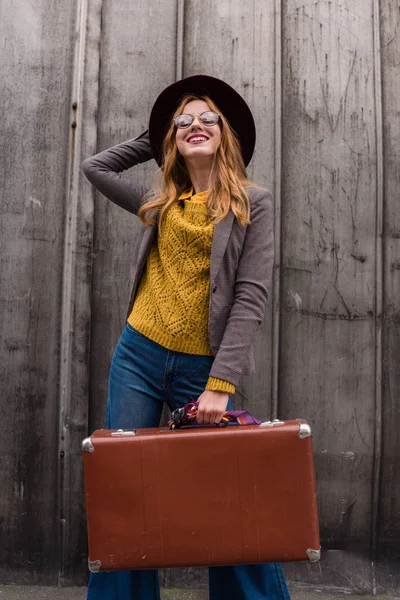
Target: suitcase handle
[[187, 415]]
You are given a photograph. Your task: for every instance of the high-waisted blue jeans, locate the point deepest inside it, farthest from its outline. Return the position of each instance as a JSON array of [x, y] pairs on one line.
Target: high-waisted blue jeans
[[143, 376]]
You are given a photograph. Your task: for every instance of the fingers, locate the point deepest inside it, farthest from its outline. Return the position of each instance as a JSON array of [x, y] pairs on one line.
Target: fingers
[[219, 416], [200, 416], [205, 414], [207, 417], [212, 407]]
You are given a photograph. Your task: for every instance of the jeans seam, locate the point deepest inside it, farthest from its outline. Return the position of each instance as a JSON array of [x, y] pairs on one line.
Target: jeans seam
[[166, 377], [156, 596], [285, 594]]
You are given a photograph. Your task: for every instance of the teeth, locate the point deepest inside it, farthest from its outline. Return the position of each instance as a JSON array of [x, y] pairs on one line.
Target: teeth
[[198, 139]]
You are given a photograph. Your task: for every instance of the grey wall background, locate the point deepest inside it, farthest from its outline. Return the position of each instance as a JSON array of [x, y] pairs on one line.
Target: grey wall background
[[323, 80]]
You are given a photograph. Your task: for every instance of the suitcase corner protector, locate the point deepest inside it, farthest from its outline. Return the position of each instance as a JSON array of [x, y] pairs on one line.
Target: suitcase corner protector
[[87, 445], [304, 431], [313, 555], [94, 566]]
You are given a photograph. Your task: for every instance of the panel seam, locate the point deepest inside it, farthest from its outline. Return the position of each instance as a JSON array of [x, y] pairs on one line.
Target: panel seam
[[377, 459], [276, 316], [180, 33]]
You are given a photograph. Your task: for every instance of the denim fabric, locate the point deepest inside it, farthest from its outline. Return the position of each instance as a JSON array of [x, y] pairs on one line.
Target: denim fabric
[[143, 375]]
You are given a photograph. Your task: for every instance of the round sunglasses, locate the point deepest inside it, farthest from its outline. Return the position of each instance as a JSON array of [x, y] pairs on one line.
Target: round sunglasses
[[208, 119]]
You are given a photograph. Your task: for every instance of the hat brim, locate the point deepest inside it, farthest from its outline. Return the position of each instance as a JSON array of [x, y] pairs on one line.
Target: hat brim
[[229, 102]]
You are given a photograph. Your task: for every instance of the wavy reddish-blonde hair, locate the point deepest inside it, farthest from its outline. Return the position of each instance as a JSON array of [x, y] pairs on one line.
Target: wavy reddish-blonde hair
[[228, 173]]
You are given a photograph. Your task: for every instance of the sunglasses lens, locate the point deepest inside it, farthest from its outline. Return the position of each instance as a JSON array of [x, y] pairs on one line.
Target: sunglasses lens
[[209, 118], [183, 121]]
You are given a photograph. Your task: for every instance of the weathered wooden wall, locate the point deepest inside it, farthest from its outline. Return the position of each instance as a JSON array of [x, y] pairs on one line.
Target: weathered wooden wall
[[36, 46], [329, 261], [323, 80], [387, 541]]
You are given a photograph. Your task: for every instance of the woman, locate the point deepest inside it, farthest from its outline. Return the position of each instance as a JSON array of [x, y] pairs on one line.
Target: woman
[[201, 273]]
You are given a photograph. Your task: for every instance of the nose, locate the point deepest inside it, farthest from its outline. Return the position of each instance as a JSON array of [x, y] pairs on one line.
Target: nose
[[196, 118]]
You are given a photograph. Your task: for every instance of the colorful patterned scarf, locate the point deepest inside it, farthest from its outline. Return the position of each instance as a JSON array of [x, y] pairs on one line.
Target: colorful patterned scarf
[[186, 415]]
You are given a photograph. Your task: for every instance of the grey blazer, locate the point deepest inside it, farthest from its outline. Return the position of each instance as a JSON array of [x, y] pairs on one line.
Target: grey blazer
[[241, 258]]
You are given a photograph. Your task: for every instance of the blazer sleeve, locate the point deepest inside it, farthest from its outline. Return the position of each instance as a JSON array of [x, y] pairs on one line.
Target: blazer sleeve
[[104, 171], [253, 282]]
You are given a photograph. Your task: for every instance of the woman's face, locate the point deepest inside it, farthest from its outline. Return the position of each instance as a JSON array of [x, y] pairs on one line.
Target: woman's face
[[197, 141]]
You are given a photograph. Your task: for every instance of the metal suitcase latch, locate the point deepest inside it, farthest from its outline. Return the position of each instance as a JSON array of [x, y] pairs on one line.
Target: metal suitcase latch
[[123, 432], [271, 423]]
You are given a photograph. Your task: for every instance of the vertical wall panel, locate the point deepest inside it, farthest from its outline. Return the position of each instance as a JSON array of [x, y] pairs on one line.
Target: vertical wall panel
[[327, 358], [389, 526], [238, 45], [138, 47], [35, 90], [76, 292]]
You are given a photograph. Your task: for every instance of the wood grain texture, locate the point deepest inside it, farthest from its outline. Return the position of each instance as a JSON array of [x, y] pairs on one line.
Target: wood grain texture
[[389, 505], [76, 293], [137, 62], [240, 37], [327, 360], [37, 44]]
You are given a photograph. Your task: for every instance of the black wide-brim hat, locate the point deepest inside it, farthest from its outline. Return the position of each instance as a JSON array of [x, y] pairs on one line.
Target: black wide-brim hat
[[230, 103]]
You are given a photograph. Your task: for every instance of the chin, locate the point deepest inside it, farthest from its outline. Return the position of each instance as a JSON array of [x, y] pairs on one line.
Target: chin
[[200, 152]]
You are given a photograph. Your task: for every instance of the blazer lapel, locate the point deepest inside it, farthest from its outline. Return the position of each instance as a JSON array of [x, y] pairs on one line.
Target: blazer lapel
[[222, 231]]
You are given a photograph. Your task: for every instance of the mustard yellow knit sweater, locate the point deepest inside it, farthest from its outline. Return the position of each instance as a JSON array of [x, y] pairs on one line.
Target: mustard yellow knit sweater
[[172, 303]]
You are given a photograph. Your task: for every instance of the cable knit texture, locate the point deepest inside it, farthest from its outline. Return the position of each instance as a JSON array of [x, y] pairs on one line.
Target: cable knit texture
[[219, 385], [172, 303]]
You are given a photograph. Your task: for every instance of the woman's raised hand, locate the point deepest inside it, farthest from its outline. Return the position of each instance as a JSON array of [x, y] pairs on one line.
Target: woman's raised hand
[[212, 406]]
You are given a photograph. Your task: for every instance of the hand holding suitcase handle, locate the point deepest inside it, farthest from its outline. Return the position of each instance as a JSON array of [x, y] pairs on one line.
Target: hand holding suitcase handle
[[187, 414]]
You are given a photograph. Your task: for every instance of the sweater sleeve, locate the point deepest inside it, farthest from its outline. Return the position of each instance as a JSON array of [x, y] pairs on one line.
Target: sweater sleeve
[[104, 171], [219, 385]]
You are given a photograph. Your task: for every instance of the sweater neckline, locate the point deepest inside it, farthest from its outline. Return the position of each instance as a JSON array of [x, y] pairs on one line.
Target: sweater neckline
[[188, 195]]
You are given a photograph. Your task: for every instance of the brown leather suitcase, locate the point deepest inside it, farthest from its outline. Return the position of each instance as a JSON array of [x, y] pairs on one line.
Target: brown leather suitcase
[[200, 496]]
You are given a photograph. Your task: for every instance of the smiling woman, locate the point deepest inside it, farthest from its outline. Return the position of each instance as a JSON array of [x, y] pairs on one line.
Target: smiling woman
[[205, 153], [201, 278], [198, 141]]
